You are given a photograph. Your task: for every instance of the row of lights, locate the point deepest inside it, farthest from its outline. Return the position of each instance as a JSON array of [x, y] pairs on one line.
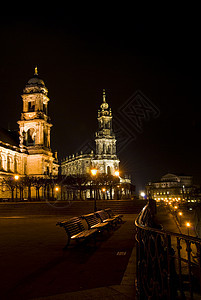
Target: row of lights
[[188, 224], [94, 172]]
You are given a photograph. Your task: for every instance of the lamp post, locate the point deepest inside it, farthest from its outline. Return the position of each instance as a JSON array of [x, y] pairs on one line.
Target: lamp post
[[56, 190], [94, 173], [180, 214], [16, 177], [188, 226], [103, 190], [116, 174]]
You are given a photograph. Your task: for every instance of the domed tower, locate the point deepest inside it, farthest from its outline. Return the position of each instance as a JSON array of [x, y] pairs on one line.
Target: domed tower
[[35, 127], [106, 158]]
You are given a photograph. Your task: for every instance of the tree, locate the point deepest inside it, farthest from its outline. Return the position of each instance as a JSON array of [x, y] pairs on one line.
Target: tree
[[11, 184]]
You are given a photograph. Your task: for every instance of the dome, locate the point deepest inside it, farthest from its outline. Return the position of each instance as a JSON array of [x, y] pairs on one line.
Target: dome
[[35, 85], [36, 80]]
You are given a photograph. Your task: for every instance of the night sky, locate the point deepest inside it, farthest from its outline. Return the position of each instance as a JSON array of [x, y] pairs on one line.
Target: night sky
[[79, 54]]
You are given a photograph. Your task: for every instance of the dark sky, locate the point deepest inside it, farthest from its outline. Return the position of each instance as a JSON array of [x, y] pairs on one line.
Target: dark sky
[[79, 54]]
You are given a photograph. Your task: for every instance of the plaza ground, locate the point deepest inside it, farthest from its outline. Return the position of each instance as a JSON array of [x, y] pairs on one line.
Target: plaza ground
[[34, 265]]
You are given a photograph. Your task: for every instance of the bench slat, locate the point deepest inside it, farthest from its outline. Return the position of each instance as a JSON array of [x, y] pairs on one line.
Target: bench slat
[[75, 230], [94, 222]]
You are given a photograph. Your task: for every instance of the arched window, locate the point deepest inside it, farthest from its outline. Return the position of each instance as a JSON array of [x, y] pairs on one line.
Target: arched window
[[15, 165], [9, 164], [31, 137], [31, 106], [108, 170]]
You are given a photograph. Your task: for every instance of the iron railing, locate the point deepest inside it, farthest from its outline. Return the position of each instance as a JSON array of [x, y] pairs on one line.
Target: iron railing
[[168, 264]]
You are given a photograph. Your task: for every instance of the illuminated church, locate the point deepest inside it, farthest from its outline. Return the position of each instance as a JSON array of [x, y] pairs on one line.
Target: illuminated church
[[105, 159], [29, 152]]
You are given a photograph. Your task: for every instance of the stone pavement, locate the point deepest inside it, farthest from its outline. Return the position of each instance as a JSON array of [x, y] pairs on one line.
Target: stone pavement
[[34, 266]]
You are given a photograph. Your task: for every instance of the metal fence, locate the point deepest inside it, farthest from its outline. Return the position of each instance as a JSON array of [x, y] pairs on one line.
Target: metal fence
[[168, 264]]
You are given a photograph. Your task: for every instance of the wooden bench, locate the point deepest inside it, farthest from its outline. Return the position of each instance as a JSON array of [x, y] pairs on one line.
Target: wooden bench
[[75, 230], [112, 215], [105, 218], [94, 222]]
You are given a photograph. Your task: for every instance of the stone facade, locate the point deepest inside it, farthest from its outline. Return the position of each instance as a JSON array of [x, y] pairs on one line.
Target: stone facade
[[30, 152], [105, 159]]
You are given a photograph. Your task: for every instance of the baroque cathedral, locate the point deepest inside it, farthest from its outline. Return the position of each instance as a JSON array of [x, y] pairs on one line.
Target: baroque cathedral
[[29, 153], [105, 159]]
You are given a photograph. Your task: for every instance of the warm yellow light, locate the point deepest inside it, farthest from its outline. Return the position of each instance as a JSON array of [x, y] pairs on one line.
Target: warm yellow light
[[188, 224], [56, 188], [175, 207], [180, 213], [116, 173], [94, 172], [16, 177], [103, 189], [142, 194]]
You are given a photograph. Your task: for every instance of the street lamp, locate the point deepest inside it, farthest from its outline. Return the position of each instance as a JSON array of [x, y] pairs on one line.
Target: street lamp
[[180, 214], [188, 224], [56, 190], [104, 190], [116, 173], [94, 173], [16, 177]]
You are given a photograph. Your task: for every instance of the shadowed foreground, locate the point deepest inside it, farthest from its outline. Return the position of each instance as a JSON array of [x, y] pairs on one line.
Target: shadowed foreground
[[34, 265]]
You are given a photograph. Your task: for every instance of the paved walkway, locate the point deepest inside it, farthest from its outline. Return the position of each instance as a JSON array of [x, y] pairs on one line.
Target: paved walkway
[[34, 265], [170, 222]]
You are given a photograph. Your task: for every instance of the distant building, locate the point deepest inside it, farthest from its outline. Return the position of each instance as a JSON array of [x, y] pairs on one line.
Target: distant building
[[171, 187], [28, 152]]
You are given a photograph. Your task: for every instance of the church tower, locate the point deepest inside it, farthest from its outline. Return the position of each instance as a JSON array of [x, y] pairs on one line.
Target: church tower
[[35, 127], [106, 158]]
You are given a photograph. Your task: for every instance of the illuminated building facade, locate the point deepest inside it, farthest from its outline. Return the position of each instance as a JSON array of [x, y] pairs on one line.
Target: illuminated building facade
[[105, 159], [171, 187], [29, 153]]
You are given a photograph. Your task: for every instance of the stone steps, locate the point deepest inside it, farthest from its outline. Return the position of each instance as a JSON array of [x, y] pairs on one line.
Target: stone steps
[[72, 208]]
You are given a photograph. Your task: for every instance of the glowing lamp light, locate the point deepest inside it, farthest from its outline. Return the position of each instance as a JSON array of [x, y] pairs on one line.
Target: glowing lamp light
[[188, 224], [16, 177], [142, 194], [175, 207], [116, 173], [180, 213], [94, 172], [103, 189], [57, 189]]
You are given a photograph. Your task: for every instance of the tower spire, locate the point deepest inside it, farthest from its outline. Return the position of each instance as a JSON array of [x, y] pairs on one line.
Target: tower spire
[[36, 71], [104, 96]]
